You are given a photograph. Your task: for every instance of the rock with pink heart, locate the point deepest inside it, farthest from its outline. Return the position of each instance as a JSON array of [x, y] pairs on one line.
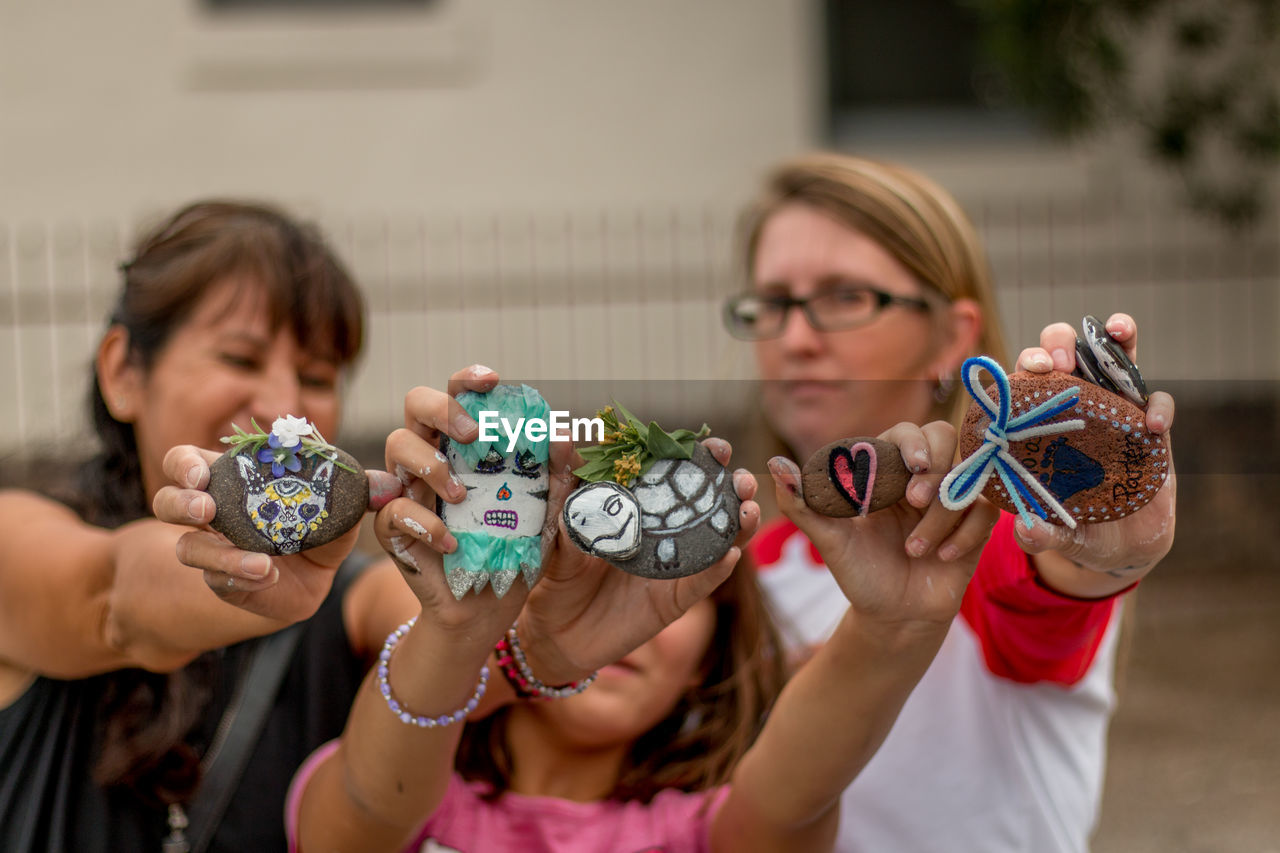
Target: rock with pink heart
[[854, 477]]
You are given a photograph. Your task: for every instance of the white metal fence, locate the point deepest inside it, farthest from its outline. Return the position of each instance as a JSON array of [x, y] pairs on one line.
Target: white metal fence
[[635, 294]]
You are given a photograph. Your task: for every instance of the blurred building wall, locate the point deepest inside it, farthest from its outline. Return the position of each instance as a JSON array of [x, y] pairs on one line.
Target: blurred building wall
[[547, 187]]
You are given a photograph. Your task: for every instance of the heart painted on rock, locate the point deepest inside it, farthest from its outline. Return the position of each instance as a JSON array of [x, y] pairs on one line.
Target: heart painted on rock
[[854, 477], [853, 471]]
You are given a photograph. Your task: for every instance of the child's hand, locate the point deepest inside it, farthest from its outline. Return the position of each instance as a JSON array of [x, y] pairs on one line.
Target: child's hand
[[1120, 551], [585, 613], [908, 563], [409, 529], [285, 588]]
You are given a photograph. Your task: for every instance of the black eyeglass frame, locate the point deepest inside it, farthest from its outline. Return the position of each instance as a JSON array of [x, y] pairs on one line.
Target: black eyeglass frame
[[787, 302]]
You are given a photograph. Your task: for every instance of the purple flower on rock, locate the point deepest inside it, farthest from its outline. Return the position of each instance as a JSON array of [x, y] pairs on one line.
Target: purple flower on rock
[[281, 458], [289, 438]]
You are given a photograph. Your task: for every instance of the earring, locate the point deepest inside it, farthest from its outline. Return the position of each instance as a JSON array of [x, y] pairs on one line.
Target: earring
[[946, 384]]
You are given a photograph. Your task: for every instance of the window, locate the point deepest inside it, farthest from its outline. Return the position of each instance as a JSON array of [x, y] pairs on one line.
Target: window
[[912, 67]]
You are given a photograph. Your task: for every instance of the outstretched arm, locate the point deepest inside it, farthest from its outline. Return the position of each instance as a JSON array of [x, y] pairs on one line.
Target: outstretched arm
[[1098, 560], [76, 599], [836, 711]]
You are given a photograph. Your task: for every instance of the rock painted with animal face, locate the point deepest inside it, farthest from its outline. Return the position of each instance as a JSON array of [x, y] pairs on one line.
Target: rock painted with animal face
[[284, 507]]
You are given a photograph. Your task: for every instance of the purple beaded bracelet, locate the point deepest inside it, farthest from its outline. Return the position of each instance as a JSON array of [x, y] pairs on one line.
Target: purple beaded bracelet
[[406, 717]]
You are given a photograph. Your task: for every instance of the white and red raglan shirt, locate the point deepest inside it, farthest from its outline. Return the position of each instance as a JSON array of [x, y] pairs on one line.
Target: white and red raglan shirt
[[1001, 746]]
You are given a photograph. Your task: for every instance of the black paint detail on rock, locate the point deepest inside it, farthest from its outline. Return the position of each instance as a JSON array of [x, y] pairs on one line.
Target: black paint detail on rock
[[289, 514]]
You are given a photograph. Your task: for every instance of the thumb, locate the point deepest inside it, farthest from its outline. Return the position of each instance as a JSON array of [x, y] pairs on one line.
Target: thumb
[[383, 488], [1042, 536]]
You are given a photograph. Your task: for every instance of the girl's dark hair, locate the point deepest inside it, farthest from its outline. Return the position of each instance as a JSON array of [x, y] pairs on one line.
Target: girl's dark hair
[[146, 716], [698, 744]]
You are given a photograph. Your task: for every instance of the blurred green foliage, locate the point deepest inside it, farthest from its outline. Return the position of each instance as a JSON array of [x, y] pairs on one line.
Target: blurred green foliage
[[1197, 80]]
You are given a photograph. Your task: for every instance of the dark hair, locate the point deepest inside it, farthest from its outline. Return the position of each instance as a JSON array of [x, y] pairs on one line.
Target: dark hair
[[698, 744], [146, 716]]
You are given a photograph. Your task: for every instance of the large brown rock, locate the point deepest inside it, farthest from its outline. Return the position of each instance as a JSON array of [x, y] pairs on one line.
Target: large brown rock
[[854, 476], [1110, 469]]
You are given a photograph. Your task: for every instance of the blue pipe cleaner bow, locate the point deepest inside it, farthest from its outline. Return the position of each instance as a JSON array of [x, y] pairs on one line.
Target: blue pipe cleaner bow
[[966, 481]]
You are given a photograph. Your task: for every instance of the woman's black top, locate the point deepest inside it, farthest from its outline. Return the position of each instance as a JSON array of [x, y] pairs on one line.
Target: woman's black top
[[49, 803]]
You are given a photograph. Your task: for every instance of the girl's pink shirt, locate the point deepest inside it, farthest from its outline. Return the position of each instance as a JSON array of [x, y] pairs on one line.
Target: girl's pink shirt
[[673, 822]]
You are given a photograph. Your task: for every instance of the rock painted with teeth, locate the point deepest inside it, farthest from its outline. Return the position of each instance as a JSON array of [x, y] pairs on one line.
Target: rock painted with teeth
[[678, 518], [1106, 471], [499, 524], [854, 477]]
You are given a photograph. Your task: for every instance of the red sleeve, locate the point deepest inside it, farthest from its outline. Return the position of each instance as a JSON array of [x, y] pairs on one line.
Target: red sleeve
[[1028, 631]]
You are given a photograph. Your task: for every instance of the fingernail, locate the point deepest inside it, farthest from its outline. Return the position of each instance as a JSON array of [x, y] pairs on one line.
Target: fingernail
[[198, 507], [948, 552], [456, 488], [782, 471], [1158, 423], [920, 461], [192, 477], [448, 544], [1116, 328], [256, 566], [479, 370], [917, 546], [1040, 361], [921, 493], [383, 489], [1060, 359], [463, 424]]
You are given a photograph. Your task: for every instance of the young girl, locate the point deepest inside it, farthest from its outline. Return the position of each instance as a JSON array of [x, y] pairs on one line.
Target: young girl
[[657, 752]]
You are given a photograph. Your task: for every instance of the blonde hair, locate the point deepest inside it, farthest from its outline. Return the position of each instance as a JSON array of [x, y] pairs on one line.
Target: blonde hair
[[914, 219]]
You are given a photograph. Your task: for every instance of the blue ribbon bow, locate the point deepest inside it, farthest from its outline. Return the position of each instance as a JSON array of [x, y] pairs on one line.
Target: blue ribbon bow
[[967, 480]]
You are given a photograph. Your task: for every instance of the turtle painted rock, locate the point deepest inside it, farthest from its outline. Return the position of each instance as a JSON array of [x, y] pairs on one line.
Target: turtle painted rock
[[676, 519]]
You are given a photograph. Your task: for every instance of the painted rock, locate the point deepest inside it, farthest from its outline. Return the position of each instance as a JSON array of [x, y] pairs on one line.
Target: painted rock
[[1111, 468], [498, 525], [1102, 361], [677, 519], [854, 476], [306, 508]]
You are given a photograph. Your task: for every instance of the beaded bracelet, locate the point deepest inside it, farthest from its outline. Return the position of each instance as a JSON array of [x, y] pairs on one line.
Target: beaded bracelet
[[527, 686], [384, 687]]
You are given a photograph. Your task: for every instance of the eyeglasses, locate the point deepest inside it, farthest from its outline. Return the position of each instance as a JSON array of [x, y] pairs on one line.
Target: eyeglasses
[[751, 317]]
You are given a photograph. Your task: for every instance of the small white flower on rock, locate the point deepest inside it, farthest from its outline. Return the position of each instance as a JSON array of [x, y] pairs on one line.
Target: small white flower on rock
[[290, 430]]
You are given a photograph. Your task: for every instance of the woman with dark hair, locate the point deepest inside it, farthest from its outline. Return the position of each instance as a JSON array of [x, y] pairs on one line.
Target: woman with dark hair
[[138, 709], [116, 664]]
